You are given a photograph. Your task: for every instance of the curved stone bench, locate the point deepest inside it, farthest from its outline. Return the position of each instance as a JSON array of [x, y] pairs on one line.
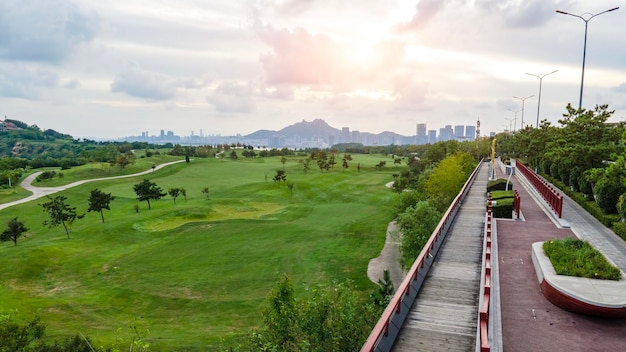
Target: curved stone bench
[[603, 298]]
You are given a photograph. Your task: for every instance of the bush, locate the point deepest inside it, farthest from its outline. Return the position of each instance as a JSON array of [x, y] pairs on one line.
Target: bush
[[503, 208], [607, 194], [620, 229], [498, 185], [46, 175]]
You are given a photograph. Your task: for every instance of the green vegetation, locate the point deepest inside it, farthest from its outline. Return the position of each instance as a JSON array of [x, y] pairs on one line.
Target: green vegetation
[[199, 271], [330, 318], [585, 156], [573, 257]]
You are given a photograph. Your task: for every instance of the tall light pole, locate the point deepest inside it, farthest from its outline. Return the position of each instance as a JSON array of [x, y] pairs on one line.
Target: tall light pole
[[515, 123], [510, 123], [523, 99], [539, 97], [586, 19]]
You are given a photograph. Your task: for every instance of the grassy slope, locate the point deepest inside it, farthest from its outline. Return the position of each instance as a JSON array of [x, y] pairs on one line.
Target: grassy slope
[[197, 270]]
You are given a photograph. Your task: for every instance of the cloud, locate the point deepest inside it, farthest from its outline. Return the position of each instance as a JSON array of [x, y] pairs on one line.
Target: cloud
[[232, 97], [144, 84], [620, 88], [299, 57], [19, 81], [43, 30], [425, 10], [524, 14]]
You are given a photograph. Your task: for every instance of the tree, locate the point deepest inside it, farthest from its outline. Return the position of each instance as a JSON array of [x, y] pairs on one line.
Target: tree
[[183, 192], [447, 179], [147, 190], [383, 293], [13, 176], [14, 230], [60, 213], [98, 201], [174, 192], [205, 191], [328, 318], [416, 224], [283, 160], [280, 176]]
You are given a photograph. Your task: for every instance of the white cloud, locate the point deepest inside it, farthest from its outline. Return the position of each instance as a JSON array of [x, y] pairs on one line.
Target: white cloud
[[43, 30]]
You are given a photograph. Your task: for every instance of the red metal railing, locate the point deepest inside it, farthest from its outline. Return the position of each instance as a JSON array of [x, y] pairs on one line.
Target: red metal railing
[[483, 313], [549, 193], [395, 307]]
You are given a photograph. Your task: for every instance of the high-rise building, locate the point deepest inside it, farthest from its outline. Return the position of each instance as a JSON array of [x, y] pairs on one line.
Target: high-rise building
[[459, 132], [422, 137], [470, 133], [446, 133], [432, 136]]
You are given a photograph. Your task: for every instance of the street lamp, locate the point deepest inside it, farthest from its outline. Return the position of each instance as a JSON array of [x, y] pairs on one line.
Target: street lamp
[[539, 97], [582, 79], [515, 123], [510, 123], [522, 99]]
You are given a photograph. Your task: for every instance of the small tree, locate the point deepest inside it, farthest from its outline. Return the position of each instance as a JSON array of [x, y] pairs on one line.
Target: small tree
[[60, 213], [14, 230], [383, 293], [147, 190], [183, 192], [174, 192], [98, 201], [280, 176], [205, 191], [283, 160]]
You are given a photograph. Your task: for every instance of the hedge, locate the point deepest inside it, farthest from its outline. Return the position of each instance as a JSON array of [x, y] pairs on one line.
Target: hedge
[[620, 229], [503, 208]]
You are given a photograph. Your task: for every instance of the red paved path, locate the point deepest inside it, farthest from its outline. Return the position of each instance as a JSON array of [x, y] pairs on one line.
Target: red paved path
[[550, 328]]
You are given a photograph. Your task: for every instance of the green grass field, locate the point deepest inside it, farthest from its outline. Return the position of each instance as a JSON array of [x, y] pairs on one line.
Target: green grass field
[[197, 272]]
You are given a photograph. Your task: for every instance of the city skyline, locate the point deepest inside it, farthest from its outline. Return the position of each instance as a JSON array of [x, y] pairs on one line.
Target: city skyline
[[106, 69]]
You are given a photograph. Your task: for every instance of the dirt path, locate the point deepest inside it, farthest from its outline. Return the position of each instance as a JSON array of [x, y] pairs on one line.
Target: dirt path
[[389, 258], [39, 192]]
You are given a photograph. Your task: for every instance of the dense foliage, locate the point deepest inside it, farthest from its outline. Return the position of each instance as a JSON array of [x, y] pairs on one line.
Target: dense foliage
[[585, 153]]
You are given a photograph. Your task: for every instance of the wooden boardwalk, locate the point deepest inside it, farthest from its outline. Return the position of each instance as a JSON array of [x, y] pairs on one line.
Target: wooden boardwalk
[[445, 312]]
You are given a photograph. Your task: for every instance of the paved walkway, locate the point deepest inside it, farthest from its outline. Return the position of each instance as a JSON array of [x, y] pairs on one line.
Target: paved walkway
[[528, 321]]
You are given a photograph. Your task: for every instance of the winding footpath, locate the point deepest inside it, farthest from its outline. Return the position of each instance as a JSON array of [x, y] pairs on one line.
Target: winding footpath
[[39, 192]]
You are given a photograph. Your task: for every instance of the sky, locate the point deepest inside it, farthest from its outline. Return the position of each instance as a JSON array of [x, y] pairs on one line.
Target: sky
[[113, 68]]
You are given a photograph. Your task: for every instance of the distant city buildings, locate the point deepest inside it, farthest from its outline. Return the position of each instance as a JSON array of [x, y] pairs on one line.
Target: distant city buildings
[[446, 133], [311, 137]]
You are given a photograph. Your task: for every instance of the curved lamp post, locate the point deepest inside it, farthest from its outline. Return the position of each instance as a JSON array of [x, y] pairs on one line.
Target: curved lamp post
[[539, 98], [523, 99], [587, 18]]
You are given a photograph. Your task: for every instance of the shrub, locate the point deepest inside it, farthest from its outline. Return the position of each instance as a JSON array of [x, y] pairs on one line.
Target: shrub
[[46, 175], [620, 229], [607, 194], [498, 185], [503, 208]]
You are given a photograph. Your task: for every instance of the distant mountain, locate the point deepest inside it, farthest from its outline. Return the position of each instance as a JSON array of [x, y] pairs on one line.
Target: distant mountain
[[319, 130]]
